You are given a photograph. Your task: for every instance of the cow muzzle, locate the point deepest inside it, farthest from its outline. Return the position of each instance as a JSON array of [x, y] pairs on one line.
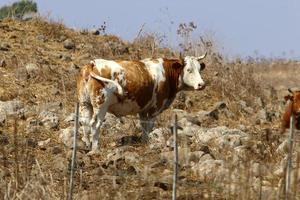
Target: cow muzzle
[[200, 86]]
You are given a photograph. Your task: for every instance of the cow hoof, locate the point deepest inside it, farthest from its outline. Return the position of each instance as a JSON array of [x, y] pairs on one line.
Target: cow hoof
[[93, 152]]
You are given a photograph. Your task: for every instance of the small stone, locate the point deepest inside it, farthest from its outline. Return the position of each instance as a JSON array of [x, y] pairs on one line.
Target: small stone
[[4, 47], [95, 31], [206, 157], [262, 116], [49, 119], [157, 138], [62, 38], [2, 118], [66, 58], [2, 63], [70, 118], [11, 107], [32, 70], [41, 38], [188, 102], [74, 66], [69, 44], [66, 136], [44, 142]]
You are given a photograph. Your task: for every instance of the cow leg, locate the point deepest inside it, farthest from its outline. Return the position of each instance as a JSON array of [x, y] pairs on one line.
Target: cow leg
[[147, 126], [86, 112], [100, 106], [97, 120]]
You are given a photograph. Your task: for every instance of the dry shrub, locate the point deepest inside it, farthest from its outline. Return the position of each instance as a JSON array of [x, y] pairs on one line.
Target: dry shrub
[[107, 46], [149, 44], [20, 172], [49, 27], [235, 81]]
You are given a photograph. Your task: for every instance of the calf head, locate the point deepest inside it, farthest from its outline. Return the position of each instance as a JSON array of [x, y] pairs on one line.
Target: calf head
[[191, 72], [294, 97]]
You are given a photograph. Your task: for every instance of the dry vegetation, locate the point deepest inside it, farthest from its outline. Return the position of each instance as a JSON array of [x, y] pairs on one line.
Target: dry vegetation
[[30, 170]]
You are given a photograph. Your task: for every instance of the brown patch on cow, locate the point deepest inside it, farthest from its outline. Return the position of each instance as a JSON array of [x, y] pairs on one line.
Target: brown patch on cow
[[89, 89], [82, 79], [97, 97], [105, 72], [85, 71], [140, 85], [173, 70], [292, 107], [168, 89]]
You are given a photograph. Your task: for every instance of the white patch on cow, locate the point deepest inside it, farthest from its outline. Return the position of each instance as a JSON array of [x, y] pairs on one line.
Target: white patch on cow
[[108, 92], [115, 69], [156, 69], [191, 73]]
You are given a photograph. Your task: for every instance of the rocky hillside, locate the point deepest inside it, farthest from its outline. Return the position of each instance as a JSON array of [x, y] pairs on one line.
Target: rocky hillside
[[229, 147]]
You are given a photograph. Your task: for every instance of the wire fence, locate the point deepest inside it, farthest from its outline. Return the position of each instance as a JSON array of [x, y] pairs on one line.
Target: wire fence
[[289, 191]]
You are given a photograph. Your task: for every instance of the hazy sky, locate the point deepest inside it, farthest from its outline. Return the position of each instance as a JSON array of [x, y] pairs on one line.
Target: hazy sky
[[241, 27]]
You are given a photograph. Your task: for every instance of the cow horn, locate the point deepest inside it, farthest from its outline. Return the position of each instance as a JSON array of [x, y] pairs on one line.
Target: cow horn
[[289, 89], [202, 57], [180, 55]]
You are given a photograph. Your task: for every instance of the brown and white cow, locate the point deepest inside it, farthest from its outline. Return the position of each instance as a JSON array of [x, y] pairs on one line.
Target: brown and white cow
[[292, 107], [145, 87]]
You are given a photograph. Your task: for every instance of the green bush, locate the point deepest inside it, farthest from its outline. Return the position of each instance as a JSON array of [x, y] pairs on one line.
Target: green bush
[[18, 9]]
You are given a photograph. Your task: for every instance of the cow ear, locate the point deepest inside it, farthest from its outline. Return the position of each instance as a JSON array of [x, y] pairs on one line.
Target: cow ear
[[202, 66], [289, 97]]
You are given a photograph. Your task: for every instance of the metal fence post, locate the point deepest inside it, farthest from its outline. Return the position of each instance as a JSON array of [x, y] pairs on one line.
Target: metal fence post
[[70, 196], [289, 158], [175, 158]]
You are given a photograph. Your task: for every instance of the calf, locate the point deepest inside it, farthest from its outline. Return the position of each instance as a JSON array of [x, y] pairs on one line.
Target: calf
[[145, 87], [293, 107]]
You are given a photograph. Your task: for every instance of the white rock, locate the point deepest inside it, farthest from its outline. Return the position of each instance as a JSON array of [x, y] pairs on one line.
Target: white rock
[[44, 142], [11, 107], [206, 157], [66, 136], [157, 138], [190, 130], [183, 156], [209, 170], [230, 137], [32, 70], [70, 118], [49, 119]]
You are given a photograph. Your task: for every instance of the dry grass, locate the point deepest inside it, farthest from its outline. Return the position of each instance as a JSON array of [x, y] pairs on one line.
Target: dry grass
[[29, 171]]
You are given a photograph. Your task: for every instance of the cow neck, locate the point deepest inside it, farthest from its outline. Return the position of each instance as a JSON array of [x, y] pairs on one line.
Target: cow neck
[[173, 70]]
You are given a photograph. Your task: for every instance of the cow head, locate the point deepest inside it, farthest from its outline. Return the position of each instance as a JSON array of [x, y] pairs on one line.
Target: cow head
[[294, 97], [191, 72]]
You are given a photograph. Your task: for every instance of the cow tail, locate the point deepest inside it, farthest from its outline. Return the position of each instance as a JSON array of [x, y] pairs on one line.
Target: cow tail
[[105, 80]]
